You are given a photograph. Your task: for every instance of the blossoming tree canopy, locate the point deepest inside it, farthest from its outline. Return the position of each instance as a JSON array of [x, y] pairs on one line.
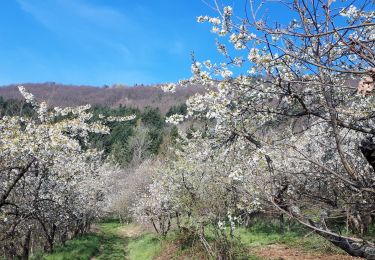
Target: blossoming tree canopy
[[301, 96], [49, 176]]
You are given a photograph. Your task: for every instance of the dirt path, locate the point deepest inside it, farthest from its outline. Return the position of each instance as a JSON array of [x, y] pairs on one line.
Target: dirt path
[[131, 231], [283, 252]]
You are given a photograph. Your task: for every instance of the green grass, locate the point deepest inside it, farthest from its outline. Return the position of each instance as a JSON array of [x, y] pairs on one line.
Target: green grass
[[113, 243], [263, 233], [81, 248], [144, 247], [105, 245], [108, 244]]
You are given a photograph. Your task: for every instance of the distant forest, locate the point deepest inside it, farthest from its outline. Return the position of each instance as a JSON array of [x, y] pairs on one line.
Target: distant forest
[[138, 96]]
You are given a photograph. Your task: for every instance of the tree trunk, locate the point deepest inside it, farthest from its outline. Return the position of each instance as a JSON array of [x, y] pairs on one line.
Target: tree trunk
[[368, 150], [26, 246], [353, 246]]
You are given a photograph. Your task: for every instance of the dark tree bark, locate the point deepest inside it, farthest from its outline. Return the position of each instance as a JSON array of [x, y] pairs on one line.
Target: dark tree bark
[[26, 246], [21, 173], [368, 150], [154, 225]]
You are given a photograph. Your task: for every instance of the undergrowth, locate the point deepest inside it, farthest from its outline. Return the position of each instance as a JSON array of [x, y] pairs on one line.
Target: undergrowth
[[111, 243]]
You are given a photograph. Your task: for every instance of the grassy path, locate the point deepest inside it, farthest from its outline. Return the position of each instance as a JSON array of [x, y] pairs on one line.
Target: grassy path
[[112, 245], [111, 240], [126, 242]]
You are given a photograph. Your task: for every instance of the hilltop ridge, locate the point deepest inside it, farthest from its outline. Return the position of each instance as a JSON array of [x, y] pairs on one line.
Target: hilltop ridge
[[139, 96]]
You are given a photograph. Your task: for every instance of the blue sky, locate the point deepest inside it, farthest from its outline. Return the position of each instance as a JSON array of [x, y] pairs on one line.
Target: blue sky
[[97, 42], [100, 42]]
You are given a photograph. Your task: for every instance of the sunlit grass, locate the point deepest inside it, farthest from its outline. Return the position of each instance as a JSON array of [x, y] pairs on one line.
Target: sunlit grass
[[145, 247]]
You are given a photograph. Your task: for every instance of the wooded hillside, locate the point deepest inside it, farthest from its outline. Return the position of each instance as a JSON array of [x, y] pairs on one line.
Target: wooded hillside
[[70, 95]]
